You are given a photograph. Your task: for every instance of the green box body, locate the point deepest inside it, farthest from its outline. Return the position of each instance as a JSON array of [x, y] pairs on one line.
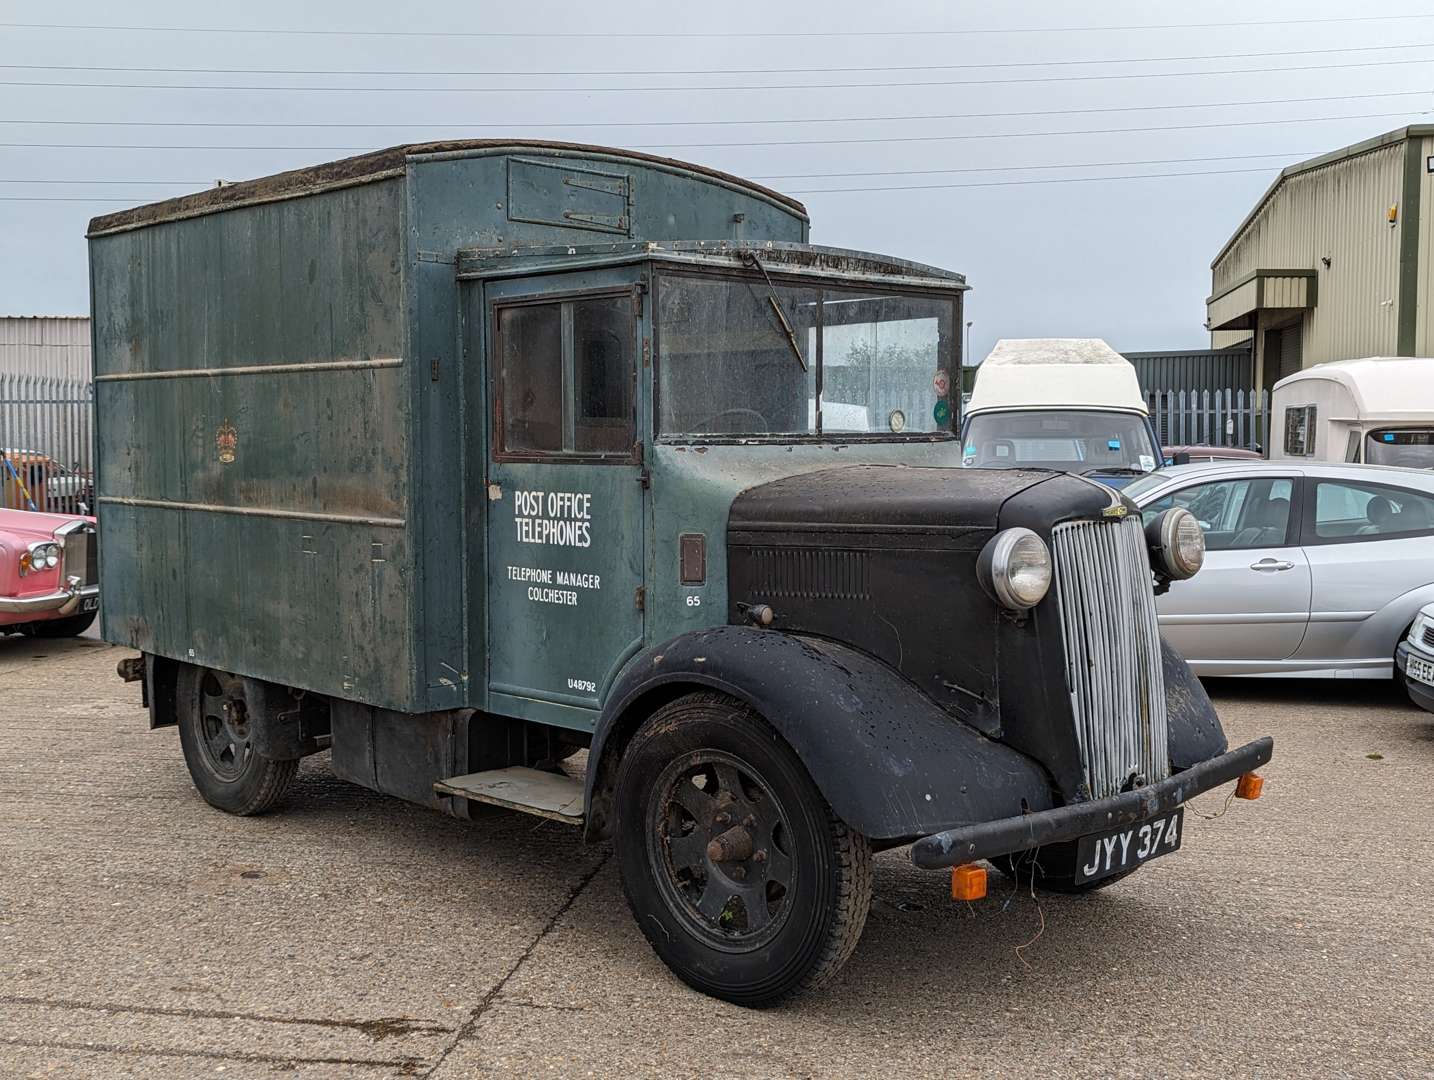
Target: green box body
[[291, 435]]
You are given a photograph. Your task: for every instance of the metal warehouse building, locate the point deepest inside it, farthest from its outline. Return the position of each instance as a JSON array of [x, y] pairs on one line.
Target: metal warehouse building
[[1334, 261], [53, 346]]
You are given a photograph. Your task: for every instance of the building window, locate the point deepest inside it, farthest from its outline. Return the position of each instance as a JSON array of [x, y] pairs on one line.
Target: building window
[[1300, 431]]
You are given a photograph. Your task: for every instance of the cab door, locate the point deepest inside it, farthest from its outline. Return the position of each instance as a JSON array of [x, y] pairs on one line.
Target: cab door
[[565, 490]]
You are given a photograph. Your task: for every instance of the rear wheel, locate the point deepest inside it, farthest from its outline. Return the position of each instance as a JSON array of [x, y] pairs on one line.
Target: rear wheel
[[737, 871], [73, 626], [216, 734]]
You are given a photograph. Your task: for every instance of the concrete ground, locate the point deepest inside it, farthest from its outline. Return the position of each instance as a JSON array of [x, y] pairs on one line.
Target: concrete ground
[[143, 934]]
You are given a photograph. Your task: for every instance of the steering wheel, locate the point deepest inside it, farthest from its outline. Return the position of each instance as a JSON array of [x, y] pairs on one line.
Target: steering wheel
[[708, 422]]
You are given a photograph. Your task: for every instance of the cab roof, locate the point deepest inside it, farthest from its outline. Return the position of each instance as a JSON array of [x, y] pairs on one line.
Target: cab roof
[[1380, 387], [1047, 373]]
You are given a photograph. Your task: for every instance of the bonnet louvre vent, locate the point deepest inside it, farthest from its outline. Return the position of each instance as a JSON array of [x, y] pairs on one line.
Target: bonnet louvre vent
[[811, 573]]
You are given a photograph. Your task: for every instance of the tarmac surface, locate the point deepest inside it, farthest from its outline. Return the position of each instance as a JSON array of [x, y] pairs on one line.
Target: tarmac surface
[[349, 934]]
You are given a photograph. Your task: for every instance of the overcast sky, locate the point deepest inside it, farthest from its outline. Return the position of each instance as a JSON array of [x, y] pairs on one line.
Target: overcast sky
[[1123, 259]]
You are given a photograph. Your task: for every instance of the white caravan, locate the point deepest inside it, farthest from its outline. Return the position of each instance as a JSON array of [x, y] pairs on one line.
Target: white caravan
[[1378, 410]]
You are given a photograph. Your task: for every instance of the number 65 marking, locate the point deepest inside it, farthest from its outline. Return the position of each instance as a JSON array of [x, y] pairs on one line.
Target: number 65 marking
[[693, 600]]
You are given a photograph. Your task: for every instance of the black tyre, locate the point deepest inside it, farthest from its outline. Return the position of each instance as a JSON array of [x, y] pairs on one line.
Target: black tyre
[[1052, 869], [1401, 683], [737, 871], [215, 732], [73, 626]]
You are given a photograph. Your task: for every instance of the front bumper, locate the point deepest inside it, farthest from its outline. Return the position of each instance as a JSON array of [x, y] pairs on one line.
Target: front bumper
[[1420, 693], [1007, 835], [61, 602]]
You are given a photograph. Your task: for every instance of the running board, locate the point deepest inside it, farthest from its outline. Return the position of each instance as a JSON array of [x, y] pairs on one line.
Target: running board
[[556, 796]]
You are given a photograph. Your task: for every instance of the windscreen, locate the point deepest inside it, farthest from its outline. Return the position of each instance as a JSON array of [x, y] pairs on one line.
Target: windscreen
[[1410, 448], [758, 356], [1084, 440]]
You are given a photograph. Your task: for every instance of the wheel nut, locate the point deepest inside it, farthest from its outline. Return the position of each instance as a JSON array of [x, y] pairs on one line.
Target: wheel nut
[[749, 822], [738, 874], [723, 818], [759, 855]]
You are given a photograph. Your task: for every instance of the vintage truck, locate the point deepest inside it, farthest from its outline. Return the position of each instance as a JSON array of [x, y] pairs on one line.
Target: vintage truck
[[456, 459]]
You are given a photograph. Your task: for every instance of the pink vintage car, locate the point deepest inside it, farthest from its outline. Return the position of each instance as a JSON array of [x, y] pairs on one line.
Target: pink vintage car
[[49, 578]]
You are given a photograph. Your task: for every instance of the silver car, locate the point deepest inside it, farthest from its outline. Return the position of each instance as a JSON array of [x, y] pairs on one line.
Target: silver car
[[1312, 570]]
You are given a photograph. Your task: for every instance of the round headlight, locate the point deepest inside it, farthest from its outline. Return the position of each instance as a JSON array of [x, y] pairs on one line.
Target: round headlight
[[1015, 567], [1178, 541]]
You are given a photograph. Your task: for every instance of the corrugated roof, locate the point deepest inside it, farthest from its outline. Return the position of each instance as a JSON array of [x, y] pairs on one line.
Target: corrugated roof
[[379, 165], [1409, 131]]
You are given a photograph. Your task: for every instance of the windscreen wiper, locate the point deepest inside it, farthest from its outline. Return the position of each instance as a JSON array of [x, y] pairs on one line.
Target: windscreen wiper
[[1113, 470], [750, 259]]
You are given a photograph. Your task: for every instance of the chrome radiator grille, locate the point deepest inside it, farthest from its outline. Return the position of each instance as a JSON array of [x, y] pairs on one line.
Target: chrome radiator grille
[[1112, 647], [81, 554]]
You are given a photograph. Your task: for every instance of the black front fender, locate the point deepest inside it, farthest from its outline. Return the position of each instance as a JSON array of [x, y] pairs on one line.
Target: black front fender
[[1195, 731], [891, 764]]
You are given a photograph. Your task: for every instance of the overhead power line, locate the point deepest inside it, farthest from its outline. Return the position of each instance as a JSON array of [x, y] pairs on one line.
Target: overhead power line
[[1292, 155], [1022, 134], [703, 88], [764, 32], [530, 126], [776, 143], [1022, 183], [814, 191], [787, 70]]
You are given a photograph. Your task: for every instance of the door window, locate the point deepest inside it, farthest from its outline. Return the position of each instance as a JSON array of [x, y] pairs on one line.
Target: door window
[[1235, 514], [566, 375], [1348, 511]]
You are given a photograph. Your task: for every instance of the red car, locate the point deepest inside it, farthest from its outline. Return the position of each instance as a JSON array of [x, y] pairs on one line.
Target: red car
[[49, 578], [1184, 455]]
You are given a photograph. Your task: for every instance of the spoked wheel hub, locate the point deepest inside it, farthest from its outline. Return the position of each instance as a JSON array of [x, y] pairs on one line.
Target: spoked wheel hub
[[224, 725], [718, 842]]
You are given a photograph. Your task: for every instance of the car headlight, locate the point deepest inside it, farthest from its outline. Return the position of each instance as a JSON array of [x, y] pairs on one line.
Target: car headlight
[[39, 558], [1015, 568], [1178, 542]]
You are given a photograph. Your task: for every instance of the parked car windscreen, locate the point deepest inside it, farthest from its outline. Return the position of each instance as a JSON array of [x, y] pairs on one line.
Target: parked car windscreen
[[1076, 440], [1410, 448], [741, 355]]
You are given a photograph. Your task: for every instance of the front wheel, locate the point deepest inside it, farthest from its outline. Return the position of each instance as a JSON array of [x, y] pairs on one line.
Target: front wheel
[[737, 871], [216, 734]]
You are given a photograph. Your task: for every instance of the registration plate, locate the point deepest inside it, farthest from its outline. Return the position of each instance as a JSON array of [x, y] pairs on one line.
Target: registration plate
[[1124, 849], [1419, 670], [90, 603]]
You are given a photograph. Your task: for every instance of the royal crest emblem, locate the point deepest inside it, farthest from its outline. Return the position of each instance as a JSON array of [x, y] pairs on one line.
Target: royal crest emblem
[[226, 440], [1115, 510]]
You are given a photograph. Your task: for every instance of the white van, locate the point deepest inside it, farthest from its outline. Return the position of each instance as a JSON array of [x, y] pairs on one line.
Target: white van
[[1378, 410], [1059, 403]]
